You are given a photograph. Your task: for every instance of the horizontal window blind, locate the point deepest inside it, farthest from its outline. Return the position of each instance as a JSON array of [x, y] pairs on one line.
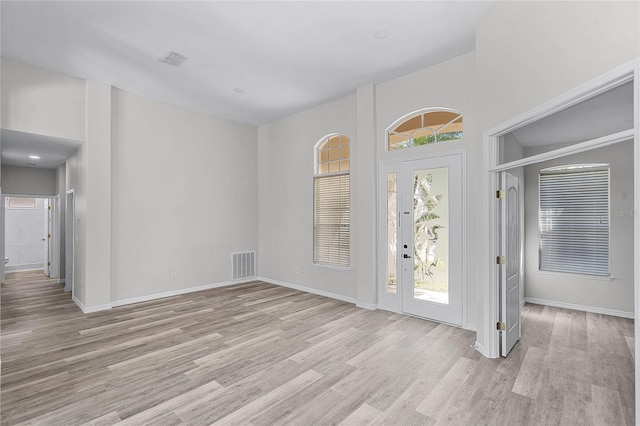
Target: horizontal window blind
[[331, 220], [574, 222]]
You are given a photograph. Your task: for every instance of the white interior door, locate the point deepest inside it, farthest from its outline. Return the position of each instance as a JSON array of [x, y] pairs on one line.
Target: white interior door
[[430, 250], [510, 269], [46, 239]]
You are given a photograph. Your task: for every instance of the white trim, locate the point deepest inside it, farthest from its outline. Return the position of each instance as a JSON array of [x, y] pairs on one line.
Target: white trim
[[614, 78], [636, 222], [576, 307], [568, 150], [156, 296], [470, 327], [308, 290], [72, 193], [179, 292], [369, 306], [25, 267], [29, 195], [90, 309], [601, 84], [386, 301], [480, 348]]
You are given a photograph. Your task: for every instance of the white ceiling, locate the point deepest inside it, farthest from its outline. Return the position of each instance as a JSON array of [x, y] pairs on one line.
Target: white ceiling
[[601, 115], [17, 146], [285, 56]]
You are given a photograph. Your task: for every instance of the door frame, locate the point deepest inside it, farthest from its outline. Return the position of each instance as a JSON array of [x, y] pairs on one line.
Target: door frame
[[630, 71], [70, 214], [393, 302], [54, 252]]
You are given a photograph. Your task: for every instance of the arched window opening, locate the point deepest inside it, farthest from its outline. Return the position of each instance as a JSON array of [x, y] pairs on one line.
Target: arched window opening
[[425, 127], [331, 202]]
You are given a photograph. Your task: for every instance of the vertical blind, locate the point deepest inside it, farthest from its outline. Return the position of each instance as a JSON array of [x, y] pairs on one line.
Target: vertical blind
[[331, 227], [574, 222]]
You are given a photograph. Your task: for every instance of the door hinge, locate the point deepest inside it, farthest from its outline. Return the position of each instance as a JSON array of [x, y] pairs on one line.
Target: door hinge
[[48, 235], [48, 263], [500, 260], [500, 326], [500, 194]]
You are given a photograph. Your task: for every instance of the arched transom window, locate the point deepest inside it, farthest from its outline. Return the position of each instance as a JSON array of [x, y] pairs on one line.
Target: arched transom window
[[331, 202], [425, 127], [333, 154]]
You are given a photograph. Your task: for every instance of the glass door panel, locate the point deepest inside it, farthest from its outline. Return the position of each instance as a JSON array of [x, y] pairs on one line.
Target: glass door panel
[[392, 232], [431, 235]]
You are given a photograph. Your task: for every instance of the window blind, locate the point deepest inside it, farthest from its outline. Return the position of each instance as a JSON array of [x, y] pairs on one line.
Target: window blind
[[331, 220], [574, 222]]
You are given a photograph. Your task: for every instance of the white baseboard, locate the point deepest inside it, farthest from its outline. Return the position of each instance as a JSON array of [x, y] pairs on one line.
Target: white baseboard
[[369, 306], [60, 280], [523, 301], [592, 309], [25, 267], [90, 309], [470, 327], [309, 290], [176, 292], [480, 349]]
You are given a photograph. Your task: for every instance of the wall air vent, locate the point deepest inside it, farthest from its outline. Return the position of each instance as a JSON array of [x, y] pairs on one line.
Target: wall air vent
[[173, 58], [243, 265]]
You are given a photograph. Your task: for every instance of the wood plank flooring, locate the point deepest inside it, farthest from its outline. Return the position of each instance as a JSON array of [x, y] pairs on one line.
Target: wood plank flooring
[[265, 355]]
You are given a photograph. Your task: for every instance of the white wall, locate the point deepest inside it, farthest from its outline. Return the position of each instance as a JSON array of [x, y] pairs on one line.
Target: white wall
[[24, 230], [450, 84], [28, 181], [184, 196], [530, 52], [76, 181], [2, 235], [285, 197], [97, 229], [35, 100], [615, 294]]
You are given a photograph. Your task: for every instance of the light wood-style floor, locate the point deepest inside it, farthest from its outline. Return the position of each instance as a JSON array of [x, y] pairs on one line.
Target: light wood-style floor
[[263, 355]]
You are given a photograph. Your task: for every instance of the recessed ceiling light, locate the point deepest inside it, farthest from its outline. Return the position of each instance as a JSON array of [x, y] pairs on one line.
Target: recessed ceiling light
[[34, 157], [381, 35], [238, 90]]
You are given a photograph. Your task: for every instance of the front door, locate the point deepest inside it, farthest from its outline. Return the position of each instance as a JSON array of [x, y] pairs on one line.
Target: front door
[[430, 247]]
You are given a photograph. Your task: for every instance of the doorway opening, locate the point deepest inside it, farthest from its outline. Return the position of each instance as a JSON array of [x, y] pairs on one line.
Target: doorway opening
[[614, 135], [31, 234]]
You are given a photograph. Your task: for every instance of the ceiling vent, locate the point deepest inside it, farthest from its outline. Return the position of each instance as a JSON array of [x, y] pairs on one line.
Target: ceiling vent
[[173, 58]]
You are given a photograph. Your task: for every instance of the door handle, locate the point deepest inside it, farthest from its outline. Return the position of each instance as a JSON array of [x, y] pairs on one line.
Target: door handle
[[406, 256]]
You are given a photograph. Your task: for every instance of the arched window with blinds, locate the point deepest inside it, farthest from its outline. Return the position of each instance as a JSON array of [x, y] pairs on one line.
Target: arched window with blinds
[[331, 202]]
